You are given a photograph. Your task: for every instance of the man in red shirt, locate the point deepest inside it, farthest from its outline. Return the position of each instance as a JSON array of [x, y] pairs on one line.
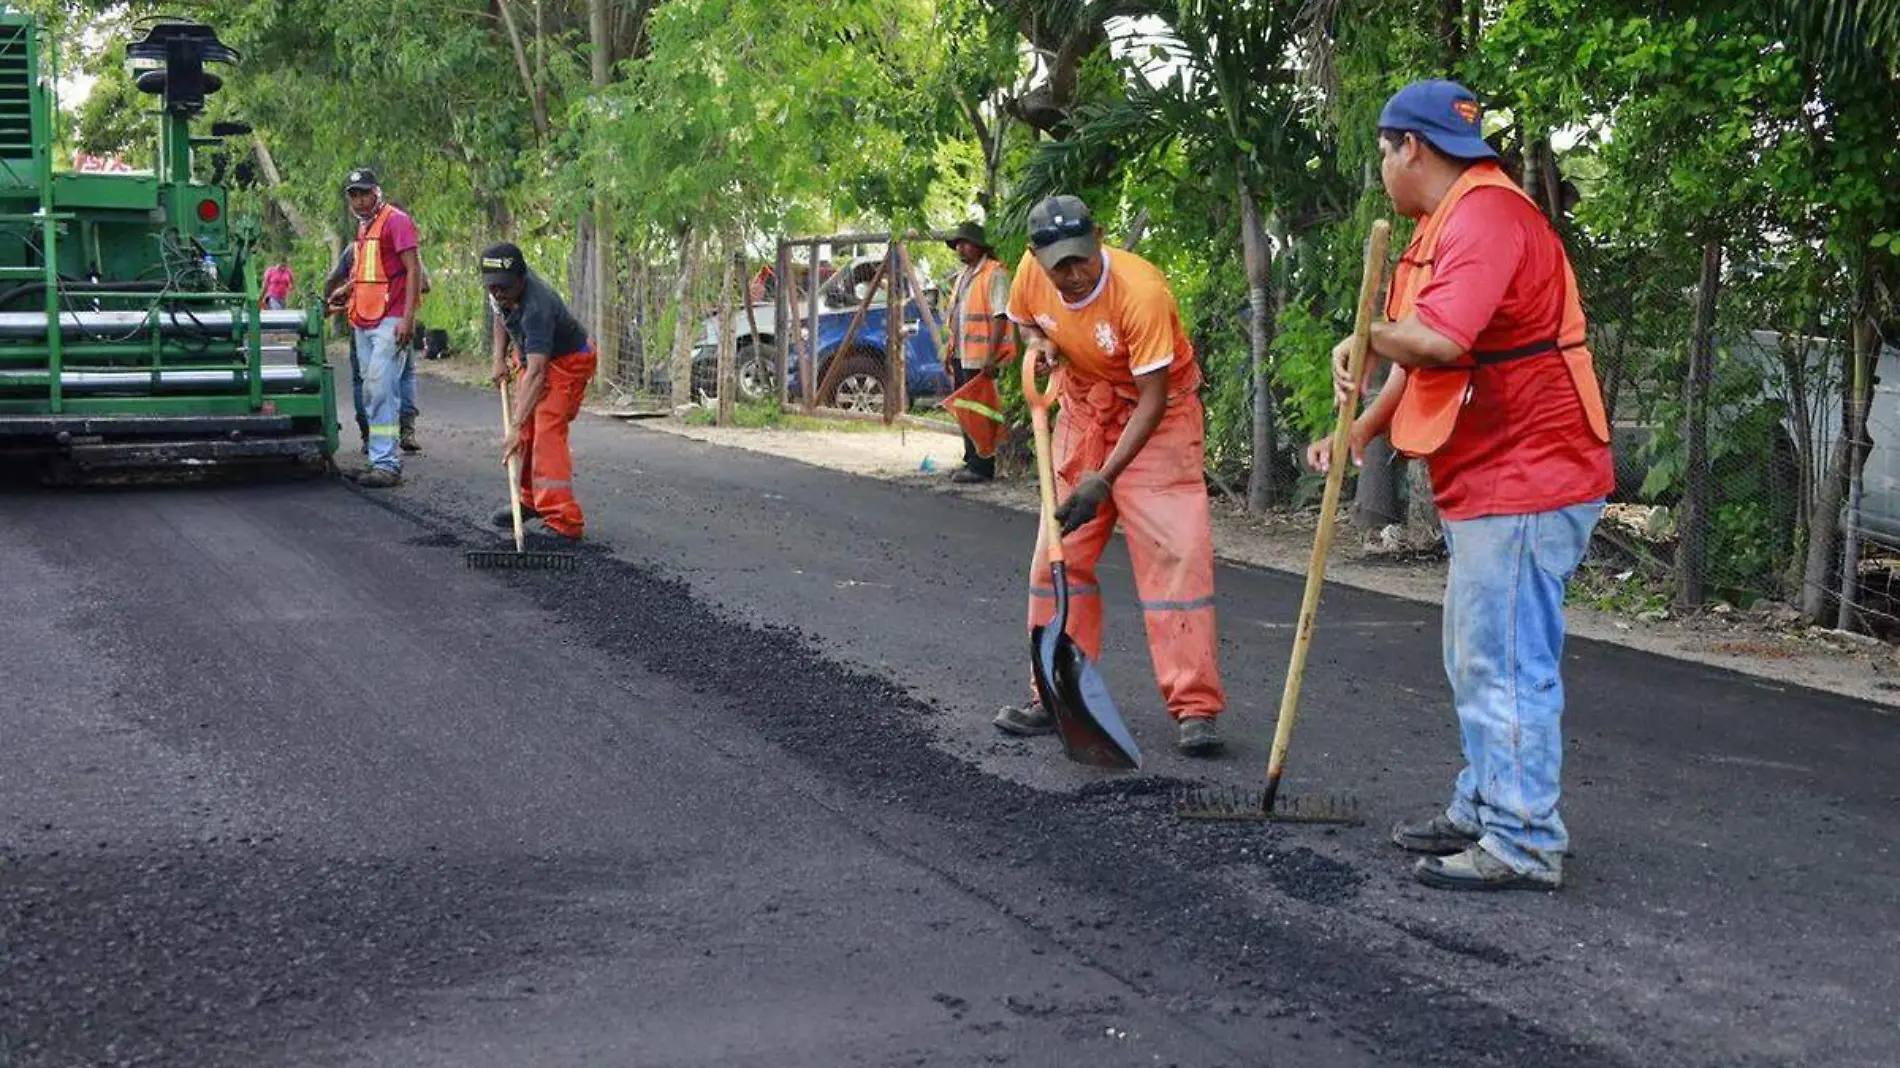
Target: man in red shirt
[[1492, 384]]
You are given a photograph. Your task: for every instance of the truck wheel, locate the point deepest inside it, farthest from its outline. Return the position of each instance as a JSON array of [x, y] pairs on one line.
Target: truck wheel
[[861, 387], [754, 368]]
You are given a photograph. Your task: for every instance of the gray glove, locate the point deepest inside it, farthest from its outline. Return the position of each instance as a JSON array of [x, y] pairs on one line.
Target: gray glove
[[1081, 506]]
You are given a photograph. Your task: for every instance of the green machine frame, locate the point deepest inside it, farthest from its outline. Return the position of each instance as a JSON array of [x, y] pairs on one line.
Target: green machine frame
[[131, 331]]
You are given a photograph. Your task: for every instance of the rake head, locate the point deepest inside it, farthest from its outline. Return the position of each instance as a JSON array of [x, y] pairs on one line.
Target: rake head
[[1230, 805], [509, 560]]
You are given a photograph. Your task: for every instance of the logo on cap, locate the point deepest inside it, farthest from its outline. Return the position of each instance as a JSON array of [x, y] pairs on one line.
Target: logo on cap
[[497, 263], [1467, 110]]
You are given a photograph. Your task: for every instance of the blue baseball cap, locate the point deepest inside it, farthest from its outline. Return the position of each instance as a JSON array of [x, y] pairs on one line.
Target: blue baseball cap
[[1445, 114]]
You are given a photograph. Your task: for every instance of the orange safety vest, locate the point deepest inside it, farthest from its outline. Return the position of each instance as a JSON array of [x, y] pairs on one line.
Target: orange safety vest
[[1428, 409], [369, 293], [979, 336]]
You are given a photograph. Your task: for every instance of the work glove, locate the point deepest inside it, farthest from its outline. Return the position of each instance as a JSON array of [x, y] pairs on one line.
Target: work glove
[[1081, 506]]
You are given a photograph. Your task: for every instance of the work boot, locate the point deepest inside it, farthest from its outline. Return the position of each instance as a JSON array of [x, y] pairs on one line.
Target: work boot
[[965, 476], [560, 538], [379, 478], [1476, 869], [1438, 837], [1199, 737], [1028, 720], [505, 519], [407, 440]]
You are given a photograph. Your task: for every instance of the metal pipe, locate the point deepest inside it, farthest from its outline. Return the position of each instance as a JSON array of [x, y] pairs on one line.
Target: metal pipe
[[125, 354], [133, 324], [76, 381]]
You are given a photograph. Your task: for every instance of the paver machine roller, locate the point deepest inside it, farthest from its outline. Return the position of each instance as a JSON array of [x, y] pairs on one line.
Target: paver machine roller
[[130, 328]]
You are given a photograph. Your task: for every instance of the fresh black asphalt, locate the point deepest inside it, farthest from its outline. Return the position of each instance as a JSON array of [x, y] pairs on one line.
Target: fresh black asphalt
[[282, 782]]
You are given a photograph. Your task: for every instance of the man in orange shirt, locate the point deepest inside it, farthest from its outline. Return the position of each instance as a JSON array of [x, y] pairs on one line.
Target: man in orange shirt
[[1128, 447]]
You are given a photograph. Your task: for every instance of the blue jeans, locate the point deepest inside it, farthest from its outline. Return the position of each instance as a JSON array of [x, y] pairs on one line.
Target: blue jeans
[[382, 370], [408, 387], [1504, 642]]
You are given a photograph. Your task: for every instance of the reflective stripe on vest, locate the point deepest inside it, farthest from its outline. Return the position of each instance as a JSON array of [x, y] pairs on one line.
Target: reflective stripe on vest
[[369, 296], [980, 338], [1428, 409]]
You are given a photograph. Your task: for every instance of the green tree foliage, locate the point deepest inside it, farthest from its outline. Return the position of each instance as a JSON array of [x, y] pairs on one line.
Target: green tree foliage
[[1238, 135]]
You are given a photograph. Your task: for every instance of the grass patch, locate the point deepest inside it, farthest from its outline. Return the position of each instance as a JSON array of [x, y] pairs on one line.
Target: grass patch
[[766, 415]]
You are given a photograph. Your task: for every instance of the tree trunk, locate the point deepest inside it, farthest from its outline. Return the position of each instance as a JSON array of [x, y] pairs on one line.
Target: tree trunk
[[606, 319], [1866, 343], [1263, 487], [1451, 32], [1817, 583], [1375, 502], [292, 214], [1421, 510], [1693, 540], [537, 95], [683, 324], [725, 379]]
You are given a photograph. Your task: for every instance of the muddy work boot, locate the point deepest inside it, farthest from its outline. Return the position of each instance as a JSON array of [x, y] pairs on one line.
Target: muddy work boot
[[407, 439], [1027, 720], [1476, 869], [378, 478], [1199, 737], [1438, 837]]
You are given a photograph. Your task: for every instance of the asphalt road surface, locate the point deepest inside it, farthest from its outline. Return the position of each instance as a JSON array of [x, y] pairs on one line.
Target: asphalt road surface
[[283, 783]]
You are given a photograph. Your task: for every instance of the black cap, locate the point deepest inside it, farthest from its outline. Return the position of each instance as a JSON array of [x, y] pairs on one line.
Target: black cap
[[972, 232], [360, 178], [1060, 228], [502, 264]]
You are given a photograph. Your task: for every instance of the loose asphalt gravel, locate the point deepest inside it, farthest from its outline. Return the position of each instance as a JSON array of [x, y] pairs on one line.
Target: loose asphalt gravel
[[283, 782]]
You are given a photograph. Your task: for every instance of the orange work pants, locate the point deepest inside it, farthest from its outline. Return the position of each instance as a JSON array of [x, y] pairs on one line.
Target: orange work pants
[[547, 467], [1161, 502]]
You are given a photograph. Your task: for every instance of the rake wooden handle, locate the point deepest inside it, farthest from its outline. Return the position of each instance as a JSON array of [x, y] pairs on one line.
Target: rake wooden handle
[[1335, 477], [514, 469]]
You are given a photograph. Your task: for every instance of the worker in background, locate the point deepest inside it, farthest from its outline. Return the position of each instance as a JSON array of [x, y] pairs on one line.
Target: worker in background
[[1128, 448], [381, 301], [277, 284], [554, 360], [978, 336], [336, 292], [1493, 385]]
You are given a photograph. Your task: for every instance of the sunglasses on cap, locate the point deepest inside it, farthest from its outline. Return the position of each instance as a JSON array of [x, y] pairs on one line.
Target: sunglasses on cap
[[1061, 231]]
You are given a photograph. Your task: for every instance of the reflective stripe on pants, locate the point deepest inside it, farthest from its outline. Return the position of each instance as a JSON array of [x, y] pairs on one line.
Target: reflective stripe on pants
[[1161, 502], [547, 467]]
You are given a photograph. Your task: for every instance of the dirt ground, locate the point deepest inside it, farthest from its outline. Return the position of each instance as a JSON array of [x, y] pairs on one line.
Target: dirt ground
[[1771, 645]]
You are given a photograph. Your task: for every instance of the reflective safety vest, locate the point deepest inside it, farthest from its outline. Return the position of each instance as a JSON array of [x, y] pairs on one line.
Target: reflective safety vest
[[1428, 409], [369, 293], [980, 337]]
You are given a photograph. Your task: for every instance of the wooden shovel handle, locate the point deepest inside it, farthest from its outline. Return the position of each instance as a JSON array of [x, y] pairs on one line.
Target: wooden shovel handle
[[1329, 505], [1039, 401]]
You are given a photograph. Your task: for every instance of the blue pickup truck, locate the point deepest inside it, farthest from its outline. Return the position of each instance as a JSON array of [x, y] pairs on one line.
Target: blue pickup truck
[[861, 382]]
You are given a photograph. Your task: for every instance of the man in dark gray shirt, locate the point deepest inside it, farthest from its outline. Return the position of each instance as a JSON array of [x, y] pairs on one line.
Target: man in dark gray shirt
[[554, 360]]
